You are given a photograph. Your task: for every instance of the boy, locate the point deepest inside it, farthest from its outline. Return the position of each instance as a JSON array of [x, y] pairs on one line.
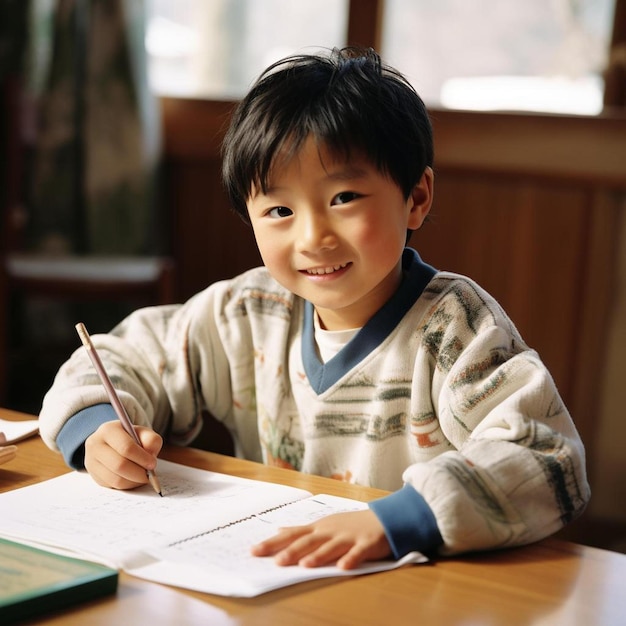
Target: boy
[[346, 355]]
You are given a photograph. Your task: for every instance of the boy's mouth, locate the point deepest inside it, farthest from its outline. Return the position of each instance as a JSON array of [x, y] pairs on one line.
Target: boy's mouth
[[320, 271]]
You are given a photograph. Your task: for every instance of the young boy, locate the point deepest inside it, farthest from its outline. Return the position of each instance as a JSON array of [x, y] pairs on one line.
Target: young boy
[[345, 355]]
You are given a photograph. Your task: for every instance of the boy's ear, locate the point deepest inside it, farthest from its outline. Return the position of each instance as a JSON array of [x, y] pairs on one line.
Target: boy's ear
[[422, 199]]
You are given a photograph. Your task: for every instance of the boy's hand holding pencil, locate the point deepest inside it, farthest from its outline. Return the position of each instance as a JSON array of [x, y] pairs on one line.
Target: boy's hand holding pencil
[[116, 461], [112, 459]]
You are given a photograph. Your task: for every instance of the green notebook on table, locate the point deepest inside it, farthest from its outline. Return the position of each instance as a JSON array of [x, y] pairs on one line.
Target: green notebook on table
[[34, 582]]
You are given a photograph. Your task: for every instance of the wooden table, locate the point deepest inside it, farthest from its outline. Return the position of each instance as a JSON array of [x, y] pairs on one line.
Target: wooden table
[[548, 583]]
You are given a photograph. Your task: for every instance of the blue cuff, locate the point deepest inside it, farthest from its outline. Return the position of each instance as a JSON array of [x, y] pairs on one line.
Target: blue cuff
[[408, 521], [71, 438]]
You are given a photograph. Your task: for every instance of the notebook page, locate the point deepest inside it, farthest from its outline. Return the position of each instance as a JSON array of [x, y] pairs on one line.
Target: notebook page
[[73, 515], [219, 561]]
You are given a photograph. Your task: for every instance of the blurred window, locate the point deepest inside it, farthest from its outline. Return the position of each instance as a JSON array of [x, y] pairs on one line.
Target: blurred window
[[216, 48], [534, 55]]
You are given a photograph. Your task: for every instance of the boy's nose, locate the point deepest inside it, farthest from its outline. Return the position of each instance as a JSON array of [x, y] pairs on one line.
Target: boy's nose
[[315, 233]]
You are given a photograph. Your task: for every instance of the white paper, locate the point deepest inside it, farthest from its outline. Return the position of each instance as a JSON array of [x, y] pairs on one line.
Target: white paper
[[220, 561], [197, 536], [15, 431]]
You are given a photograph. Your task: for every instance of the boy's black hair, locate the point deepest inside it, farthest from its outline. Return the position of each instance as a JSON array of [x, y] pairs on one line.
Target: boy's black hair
[[348, 100]]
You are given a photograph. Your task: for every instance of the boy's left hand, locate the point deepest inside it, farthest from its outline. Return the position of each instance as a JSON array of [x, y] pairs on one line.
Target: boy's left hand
[[346, 539]]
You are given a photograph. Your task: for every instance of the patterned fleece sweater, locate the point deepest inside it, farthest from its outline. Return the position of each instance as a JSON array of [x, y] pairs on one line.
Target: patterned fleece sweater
[[436, 399]]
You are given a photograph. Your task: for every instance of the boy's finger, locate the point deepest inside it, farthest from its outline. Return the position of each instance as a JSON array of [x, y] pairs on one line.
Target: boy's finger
[[279, 541], [126, 447], [152, 442]]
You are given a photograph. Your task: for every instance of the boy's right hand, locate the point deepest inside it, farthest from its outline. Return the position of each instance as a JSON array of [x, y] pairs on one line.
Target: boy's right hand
[[113, 459]]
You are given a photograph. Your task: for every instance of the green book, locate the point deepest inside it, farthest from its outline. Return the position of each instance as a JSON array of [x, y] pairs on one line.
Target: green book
[[34, 582]]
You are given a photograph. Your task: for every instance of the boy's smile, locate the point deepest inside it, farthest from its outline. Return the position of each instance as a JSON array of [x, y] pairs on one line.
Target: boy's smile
[[332, 231], [322, 271]]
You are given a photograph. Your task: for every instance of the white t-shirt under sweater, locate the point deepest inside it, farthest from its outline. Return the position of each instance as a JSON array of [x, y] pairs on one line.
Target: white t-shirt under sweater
[[330, 342], [437, 391]]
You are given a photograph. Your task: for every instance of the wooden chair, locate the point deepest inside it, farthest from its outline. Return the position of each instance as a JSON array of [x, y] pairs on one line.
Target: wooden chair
[[92, 277], [136, 280]]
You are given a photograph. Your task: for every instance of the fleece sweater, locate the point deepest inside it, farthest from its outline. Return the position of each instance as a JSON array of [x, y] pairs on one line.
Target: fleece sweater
[[436, 399]]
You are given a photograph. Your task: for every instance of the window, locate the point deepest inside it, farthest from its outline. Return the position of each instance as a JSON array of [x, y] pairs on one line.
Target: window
[[215, 49], [536, 55]]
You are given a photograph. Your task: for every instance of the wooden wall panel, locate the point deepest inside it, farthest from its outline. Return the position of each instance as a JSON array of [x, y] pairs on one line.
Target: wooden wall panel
[[575, 149], [601, 290], [211, 241]]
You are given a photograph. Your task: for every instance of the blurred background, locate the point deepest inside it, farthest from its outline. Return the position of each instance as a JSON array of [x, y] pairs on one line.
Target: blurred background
[[111, 117]]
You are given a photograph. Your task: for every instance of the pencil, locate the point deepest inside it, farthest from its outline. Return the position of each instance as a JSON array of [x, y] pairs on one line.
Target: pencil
[[113, 397]]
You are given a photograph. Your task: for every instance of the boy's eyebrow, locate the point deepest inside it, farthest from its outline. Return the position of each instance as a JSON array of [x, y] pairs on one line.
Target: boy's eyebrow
[[269, 190], [347, 172], [343, 172]]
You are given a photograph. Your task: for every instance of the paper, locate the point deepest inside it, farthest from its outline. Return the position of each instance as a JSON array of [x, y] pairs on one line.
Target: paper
[[197, 536], [220, 562], [15, 431]]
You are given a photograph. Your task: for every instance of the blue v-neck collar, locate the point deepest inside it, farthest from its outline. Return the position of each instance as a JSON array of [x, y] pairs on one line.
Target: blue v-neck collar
[[322, 376]]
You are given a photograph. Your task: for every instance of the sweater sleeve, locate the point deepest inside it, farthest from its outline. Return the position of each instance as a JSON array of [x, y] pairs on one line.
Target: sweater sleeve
[[515, 469], [166, 364], [72, 436], [408, 521]]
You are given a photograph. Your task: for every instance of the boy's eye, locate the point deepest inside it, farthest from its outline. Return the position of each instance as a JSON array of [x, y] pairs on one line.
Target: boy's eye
[[345, 197], [279, 211]]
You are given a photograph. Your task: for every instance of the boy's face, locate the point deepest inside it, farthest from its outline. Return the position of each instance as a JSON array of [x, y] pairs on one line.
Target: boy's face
[[332, 231]]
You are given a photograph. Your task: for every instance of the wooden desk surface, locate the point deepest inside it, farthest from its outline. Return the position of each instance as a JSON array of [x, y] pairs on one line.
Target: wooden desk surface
[[548, 583]]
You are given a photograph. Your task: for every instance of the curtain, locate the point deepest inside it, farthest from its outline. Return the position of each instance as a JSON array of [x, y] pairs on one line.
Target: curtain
[[94, 161], [81, 132], [13, 19]]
